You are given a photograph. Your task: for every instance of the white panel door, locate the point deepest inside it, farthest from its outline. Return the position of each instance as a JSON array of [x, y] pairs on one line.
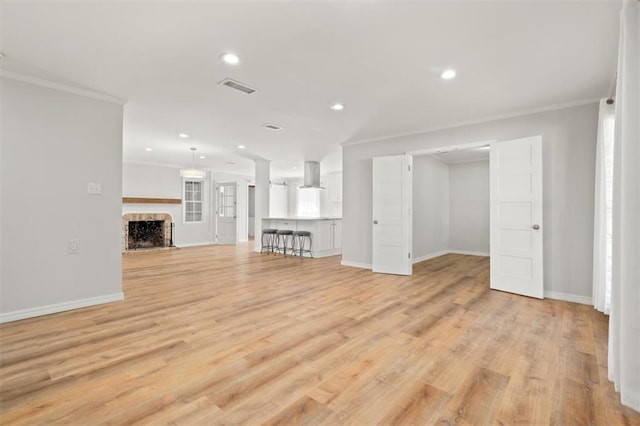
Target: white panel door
[[516, 216], [226, 213], [392, 224]]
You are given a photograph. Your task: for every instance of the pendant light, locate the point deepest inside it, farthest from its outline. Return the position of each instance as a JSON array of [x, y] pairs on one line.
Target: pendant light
[[193, 173]]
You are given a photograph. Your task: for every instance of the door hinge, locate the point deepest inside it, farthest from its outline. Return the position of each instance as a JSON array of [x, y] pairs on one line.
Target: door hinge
[[409, 255], [409, 167]]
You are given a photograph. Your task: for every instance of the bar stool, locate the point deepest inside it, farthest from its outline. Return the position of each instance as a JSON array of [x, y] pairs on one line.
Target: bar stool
[[300, 238], [268, 240], [284, 240]]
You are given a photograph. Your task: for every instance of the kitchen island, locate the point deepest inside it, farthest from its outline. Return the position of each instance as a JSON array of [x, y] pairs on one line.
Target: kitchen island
[[326, 232]]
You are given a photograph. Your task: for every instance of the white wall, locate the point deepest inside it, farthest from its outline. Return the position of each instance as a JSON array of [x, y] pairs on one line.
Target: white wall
[[262, 178], [147, 181], [331, 196], [430, 206], [54, 143], [568, 137], [469, 207], [292, 195], [278, 200]]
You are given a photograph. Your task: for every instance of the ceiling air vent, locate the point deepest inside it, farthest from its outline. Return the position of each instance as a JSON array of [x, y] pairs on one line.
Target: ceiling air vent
[[271, 126], [237, 85]]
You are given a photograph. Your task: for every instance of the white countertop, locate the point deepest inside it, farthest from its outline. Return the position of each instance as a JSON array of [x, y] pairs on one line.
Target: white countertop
[[302, 218]]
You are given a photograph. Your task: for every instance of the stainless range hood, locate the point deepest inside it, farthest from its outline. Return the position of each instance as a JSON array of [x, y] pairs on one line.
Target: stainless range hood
[[311, 175]]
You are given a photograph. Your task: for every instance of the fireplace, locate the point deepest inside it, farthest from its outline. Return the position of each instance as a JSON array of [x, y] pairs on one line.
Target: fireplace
[[146, 234], [143, 231]]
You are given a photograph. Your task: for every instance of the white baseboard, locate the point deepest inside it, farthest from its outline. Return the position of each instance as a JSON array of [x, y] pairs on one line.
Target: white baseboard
[[430, 256], [356, 264], [195, 244], [443, 252], [418, 259], [470, 253], [568, 297], [60, 307]]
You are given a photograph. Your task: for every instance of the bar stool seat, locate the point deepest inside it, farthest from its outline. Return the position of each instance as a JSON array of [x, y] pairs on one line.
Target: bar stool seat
[[268, 240], [300, 238], [284, 240]]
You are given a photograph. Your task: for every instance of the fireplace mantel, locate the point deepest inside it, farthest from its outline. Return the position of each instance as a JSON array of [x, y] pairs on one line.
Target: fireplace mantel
[[142, 200]]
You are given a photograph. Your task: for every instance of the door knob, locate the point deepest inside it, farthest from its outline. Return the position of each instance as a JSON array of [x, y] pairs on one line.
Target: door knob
[[536, 227], [375, 222]]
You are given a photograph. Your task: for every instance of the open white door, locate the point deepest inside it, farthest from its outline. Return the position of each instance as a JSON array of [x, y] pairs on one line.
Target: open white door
[[226, 213], [392, 223], [516, 216]]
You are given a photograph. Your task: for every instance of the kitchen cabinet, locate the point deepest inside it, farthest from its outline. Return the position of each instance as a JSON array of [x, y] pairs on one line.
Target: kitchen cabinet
[[326, 232]]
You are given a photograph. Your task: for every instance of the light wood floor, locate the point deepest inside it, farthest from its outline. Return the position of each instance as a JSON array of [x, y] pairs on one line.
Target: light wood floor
[[222, 335]]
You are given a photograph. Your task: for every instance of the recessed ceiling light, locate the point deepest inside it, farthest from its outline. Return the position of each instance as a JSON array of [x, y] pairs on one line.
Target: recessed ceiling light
[[230, 58], [183, 135], [202, 157], [337, 107], [241, 147], [448, 74], [148, 149]]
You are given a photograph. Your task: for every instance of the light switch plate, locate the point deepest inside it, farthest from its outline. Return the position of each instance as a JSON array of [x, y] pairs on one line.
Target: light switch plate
[[73, 246], [94, 188]]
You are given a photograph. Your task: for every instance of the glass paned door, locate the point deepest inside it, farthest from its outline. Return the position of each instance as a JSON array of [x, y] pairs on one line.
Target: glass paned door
[[226, 212]]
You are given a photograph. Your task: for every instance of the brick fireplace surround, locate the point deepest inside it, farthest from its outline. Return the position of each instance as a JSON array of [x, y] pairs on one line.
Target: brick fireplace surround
[[135, 217]]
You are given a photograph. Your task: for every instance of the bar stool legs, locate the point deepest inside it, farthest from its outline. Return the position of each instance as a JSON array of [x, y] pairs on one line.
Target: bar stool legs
[[284, 241], [268, 240], [297, 243], [301, 238]]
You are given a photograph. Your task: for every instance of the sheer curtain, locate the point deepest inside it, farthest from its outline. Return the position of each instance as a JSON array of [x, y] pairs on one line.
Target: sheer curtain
[[624, 322], [603, 226]]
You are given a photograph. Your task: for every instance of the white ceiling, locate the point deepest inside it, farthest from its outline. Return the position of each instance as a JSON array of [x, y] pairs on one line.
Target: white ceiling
[[381, 59]]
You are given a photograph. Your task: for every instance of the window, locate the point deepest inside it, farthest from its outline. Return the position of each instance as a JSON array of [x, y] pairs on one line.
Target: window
[[192, 199]]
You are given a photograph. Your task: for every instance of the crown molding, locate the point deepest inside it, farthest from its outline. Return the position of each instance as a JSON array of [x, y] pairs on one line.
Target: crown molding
[[61, 87], [478, 121]]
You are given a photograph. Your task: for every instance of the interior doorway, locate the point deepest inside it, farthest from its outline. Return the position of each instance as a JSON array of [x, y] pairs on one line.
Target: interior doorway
[[502, 197], [451, 203]]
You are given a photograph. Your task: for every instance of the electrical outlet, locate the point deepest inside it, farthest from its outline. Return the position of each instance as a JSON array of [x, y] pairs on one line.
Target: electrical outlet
[[94, 188], [73, 246]]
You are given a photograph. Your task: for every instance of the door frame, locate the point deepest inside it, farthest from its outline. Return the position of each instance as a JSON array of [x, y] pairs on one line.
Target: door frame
[[449, 148], [457, 147]]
